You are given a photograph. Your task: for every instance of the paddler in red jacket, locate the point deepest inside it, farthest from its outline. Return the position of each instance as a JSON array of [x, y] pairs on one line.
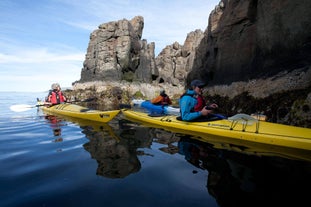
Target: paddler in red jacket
[[56, 96]]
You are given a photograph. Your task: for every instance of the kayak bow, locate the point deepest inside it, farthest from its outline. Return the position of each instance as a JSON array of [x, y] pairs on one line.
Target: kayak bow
[[73, 110]]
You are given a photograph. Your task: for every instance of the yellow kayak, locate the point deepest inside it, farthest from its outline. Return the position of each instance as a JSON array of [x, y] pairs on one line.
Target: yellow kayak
[[241, 127], [73, 110]]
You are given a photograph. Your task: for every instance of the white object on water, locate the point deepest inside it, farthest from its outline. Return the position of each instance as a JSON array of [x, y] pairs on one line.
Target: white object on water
[[21, 107]]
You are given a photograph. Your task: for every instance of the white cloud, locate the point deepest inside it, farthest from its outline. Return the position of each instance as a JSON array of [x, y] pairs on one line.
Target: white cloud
[[39, 56], [36, 70]]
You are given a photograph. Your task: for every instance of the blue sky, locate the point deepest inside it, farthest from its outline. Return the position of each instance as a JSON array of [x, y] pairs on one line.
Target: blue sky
[[45, 41]]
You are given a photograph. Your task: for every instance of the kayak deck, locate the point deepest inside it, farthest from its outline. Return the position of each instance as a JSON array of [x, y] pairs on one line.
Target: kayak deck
[[73, 110], [239, 127]]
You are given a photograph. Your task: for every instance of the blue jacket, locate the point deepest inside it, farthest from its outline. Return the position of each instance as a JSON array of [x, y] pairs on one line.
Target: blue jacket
[[186, 104]]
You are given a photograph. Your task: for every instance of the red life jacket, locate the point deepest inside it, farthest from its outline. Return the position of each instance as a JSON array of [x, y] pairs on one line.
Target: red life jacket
[[165, 100], [57, 97], [201, 103]]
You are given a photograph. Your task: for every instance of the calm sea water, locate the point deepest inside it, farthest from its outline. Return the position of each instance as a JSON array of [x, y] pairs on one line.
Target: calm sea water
[[48, 161]]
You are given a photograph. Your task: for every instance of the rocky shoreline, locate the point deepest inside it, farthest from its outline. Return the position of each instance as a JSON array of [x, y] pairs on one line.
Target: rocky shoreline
[[284, 98], [255, 55]]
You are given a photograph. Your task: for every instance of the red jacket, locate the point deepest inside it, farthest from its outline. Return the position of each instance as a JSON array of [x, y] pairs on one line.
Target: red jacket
[[56, 97], [201, 103]]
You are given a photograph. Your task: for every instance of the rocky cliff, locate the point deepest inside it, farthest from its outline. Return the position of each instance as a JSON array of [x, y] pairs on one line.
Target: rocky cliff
[[251, 52], [253, 39], [116, 52]]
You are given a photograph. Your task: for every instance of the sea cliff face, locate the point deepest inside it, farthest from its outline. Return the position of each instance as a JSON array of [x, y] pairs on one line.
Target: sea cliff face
[[251, 52], [254, 39]]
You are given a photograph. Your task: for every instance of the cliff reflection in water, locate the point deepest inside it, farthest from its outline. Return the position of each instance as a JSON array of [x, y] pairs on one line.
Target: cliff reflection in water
[[233, 178], [116, 153]]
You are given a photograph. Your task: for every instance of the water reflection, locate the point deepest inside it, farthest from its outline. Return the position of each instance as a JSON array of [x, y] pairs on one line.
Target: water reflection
[[115, 151], [56, 124], [235, 175], [235, 179], [115, 158]]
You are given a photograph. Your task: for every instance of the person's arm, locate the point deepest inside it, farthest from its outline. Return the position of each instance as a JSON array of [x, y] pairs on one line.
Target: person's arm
[[64, 97], [186, 104], [48, 98], [156, 100], [213, 105]]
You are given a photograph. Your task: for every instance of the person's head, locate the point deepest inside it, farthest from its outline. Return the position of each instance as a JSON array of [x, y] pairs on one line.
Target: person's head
[[197, 85], [162, 91], [55, 86]]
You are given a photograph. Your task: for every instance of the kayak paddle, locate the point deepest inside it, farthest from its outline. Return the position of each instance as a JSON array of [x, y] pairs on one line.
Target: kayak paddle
[[26, 107]]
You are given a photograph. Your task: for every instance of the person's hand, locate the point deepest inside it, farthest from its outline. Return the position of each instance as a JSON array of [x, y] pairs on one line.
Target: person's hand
[[47, 103], [205, 111], [212, 106]]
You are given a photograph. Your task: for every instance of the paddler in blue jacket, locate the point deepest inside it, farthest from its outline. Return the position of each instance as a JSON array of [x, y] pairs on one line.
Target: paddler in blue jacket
[[188, 103]]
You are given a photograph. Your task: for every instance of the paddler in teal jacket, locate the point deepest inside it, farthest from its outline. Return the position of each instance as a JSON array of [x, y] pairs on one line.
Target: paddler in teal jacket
[[188, 102]]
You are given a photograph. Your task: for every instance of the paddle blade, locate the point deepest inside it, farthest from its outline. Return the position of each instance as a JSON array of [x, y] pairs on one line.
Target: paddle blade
[[21, 107]]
